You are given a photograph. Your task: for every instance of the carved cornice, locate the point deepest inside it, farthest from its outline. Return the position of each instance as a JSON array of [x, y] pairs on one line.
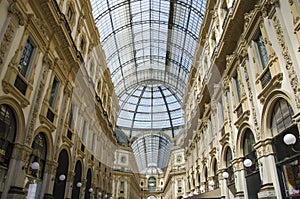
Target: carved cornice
[[15, 12]]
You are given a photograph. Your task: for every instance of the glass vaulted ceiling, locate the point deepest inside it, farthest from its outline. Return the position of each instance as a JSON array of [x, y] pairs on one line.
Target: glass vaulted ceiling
[[149, 46]]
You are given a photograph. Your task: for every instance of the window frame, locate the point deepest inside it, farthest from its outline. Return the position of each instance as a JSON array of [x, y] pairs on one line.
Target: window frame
[[260, 56], [32, 57], [53, 101]]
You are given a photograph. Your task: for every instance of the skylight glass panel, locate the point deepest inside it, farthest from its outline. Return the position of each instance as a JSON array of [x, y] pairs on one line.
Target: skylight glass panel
[[149, 42]]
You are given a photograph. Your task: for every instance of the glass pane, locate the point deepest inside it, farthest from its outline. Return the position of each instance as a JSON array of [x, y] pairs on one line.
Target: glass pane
[[53, 93], [23, 65]]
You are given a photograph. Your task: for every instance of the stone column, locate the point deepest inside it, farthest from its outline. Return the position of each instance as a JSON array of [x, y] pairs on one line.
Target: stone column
[[240, 181], [49, 179], [223, 185], [69, 184], [270, 183], [16, 173]]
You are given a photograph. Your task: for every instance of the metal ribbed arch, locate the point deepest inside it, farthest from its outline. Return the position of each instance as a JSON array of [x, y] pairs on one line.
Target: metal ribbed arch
[[147, 41], [179, 21], [149, 105], [151, 80], [149, 46], [151, 151], [148, 57]]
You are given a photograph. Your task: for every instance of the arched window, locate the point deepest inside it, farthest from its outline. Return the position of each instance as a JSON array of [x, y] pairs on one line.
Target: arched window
[[7, 134], [62, 170], [152, 184], [215, 174], [39, 154], [249, 151], [229, 168], [205, 178], [251, 172], [281, 117], [88, 184], [287, 160], [228, 157], [77, 180], [248, 142]]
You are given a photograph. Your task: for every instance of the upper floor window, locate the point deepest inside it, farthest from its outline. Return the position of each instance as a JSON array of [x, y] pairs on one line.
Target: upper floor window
[[70, 14], [221, 112], [237, 87], [27, 53], [152, 184], [83, 131], [261, 50], [70, 121], [54, 92], [122, 185], [179, 184], [93, 141], [82, 44]]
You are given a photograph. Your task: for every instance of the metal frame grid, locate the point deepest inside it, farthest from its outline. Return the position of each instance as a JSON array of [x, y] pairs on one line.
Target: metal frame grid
[[150, 107], [150, 34], [149, 46], [151, 150]]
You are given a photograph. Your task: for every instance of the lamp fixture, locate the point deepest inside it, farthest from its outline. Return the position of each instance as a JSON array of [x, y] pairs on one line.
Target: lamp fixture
[[35, 166], [290, 139], [225, 174], [247, 163], [91, 190], [99, 193], [79, 184], [62, 177]]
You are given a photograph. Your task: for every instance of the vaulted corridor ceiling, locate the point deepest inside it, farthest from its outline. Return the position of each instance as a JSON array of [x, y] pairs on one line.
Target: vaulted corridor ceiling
[[149, 46]]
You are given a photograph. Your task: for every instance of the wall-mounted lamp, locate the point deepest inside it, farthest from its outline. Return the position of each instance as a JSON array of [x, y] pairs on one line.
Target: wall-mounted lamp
[[62, 177], [99, 193], [225, 174], [91, 190], [290, 139], [105, 196], [247, 163], [34, 166], [79, 184]]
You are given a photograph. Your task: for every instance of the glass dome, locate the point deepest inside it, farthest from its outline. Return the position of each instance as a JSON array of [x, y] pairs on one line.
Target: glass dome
[[149, 47], [151, 152], [150, 108]]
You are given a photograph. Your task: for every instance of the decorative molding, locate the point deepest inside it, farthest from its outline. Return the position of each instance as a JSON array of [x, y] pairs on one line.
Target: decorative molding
[[292, 75], [10, 30], [15, 12], [251, 99], [47, 62]]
